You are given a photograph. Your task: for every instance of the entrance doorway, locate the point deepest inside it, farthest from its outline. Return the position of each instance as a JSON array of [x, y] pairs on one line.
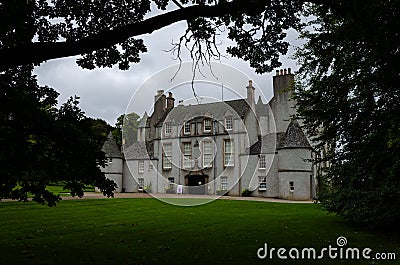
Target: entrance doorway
[[196, 184]]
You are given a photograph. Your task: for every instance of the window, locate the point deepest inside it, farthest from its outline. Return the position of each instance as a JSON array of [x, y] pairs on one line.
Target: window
[[229, 123], [224, 183], [168, 128], [207, 125], [141, 166], [141, 183], [262, 164], [228, 153], [208, 154], [151, 167], [167, 156], [187, 155], [262, 183], [291, 186], [186, 128], [171, 182]]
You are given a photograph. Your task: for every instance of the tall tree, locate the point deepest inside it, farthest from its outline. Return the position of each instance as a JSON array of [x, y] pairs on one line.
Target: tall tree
[[349, 98], [126, 128], [41, 144]]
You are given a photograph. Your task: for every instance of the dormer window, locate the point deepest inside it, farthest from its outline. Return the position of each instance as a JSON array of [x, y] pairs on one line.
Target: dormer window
[[167, 128], [186, 128], [229, 123], [207, 126]]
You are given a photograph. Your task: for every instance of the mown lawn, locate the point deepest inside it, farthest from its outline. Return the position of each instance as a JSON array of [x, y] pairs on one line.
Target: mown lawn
[[146, 231]]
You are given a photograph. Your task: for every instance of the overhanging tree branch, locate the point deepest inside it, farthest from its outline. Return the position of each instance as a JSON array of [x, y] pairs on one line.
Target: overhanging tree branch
[[37, 52]]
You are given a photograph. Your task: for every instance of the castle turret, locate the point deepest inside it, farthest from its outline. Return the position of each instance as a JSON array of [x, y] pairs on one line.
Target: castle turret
[[282, 104]]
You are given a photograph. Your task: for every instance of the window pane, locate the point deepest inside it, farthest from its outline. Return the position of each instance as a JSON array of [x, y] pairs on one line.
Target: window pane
[[141, 166], [207, 125], [187, 155], [224, 183], [228, 123], [207, 154], [228, 153], [167, 156], [262, 162]]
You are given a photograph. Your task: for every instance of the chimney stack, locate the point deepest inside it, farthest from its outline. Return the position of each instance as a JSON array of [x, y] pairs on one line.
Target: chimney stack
[[250, 92], [170, 101]]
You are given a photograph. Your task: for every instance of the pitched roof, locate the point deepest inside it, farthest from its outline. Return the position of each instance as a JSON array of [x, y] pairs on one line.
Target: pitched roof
[[110, 147], [294, 137], [137, 150], [143, 120], [261, 108], [217, 110]]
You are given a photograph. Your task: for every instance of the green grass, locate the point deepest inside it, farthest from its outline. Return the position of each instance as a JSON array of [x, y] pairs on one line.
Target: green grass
[[59, 190], [146, 231]]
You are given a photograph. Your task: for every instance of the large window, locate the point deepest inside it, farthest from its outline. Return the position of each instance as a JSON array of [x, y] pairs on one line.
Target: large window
[[187, 155], [141, 166], [207, 125], [262, 183], [224, 183], [208, 153], [262, 163], [167, 156], [167, 128], [229, 123], [228, 153], [186, 128]]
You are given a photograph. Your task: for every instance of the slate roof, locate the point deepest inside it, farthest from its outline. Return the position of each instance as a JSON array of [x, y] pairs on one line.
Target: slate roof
[[110, 148], [137, 150], [261, 108], [143, 120], [217, 110], [294, 137]]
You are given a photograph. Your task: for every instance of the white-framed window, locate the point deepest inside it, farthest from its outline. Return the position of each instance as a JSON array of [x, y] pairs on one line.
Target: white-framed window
[[167, 128], [291, 186], [151, 167], [224, 183], [207, 125], [262, 163], [208, 153], [187, 155], [262, 183], [186, 128], [171, 182], [228, 153], [141, 166], [141, 183], [229, 123], [167, 156]]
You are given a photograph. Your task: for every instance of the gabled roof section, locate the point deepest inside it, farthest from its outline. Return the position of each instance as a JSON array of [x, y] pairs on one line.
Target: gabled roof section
[[295, 137], [143, 120], [216, 110], [110, 147], [137, 151], [261, 108]]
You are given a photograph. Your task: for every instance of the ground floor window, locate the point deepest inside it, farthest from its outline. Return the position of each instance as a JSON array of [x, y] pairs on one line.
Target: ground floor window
[[224, 183], [171, 182], [262, 183], [291, 186], [141, 183]]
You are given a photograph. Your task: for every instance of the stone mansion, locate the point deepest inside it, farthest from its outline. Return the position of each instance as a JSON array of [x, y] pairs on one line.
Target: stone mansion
[[218, 148]]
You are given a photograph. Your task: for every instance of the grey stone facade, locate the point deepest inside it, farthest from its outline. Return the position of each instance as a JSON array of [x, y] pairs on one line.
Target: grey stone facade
[[219, 148]]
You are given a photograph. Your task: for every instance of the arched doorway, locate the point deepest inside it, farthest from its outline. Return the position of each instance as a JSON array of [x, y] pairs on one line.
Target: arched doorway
[[196, 183]]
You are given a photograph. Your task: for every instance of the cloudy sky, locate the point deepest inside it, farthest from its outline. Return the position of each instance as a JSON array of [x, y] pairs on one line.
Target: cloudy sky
[[107, 93]]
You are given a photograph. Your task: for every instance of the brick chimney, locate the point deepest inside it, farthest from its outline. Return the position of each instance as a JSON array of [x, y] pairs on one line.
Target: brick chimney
[[159, 103], [170, 101]]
